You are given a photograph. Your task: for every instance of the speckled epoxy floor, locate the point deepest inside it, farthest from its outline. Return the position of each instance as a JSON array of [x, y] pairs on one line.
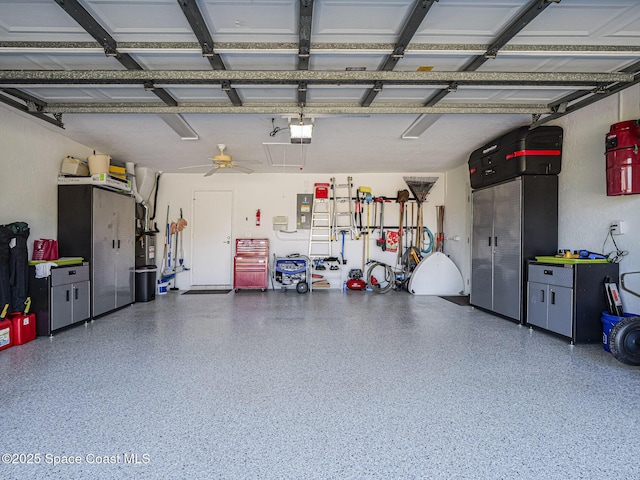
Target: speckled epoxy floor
[[324, 385]]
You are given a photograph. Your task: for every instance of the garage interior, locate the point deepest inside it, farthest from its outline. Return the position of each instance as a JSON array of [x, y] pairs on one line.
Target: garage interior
[[266, 382]]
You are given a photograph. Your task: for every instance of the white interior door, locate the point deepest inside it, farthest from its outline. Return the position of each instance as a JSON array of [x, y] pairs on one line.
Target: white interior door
[[212, 246]]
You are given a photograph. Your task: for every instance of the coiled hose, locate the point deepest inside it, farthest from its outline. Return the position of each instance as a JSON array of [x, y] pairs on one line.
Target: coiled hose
[[384, 280]]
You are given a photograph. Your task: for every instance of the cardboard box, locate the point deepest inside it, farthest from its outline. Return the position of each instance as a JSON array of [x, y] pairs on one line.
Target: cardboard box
[[73, 166]]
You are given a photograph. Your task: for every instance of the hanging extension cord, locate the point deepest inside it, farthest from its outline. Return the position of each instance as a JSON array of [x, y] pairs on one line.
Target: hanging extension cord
[[619, 254]]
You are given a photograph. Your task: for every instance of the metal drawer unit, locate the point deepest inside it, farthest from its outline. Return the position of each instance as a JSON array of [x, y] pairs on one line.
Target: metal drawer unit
[[568, 299], [251, 264], [61, 299]]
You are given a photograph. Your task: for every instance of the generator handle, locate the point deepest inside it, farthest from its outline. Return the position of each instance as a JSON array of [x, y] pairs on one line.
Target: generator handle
[[624, 287]]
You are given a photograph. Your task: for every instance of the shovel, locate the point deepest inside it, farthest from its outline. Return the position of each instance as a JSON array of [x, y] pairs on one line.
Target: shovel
[[382, 241]]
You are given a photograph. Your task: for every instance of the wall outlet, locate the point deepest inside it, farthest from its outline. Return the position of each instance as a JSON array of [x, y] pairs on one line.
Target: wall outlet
[[618, 227]]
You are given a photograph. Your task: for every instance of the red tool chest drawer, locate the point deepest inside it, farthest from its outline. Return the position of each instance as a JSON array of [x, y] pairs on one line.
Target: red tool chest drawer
[[252, 246]]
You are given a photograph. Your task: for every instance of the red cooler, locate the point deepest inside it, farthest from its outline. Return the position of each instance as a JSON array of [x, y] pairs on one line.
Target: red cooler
[[23, 327]]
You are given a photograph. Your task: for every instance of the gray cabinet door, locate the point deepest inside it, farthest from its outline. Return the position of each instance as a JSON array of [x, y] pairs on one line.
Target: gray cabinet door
[[125, 249], [507, 258], [104, 265], [482, 249], [560, 310], [538, 295], [81, 304], [61, 306]]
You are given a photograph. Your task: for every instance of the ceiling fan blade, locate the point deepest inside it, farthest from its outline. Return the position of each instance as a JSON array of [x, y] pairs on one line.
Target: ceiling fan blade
[[194, 166], [212, 171], [243, 169]]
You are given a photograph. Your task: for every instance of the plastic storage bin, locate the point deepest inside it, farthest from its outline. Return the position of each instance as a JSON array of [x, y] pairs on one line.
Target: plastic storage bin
[[608, 322]]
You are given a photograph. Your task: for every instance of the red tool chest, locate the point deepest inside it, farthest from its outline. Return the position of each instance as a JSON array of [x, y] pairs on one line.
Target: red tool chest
[[251, 264]]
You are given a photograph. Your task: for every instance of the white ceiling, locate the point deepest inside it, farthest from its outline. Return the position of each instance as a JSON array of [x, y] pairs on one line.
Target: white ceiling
[[569, 37]]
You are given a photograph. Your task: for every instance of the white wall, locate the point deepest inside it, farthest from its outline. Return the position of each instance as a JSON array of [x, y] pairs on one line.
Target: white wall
[[585, 210], [30, 159], [276, 195]]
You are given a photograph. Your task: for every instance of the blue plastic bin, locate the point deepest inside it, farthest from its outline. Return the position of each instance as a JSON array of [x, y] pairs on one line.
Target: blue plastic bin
[[608, 322]]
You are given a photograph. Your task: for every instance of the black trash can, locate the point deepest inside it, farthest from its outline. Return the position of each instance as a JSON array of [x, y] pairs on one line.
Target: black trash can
[[146, 283]]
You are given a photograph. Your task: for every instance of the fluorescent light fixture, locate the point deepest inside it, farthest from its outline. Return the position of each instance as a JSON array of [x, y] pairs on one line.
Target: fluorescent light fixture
[[179, 125], [418, 127], [300, 133]]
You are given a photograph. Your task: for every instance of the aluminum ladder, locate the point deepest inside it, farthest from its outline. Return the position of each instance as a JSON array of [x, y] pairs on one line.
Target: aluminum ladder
[[343, 217], [320, 229]]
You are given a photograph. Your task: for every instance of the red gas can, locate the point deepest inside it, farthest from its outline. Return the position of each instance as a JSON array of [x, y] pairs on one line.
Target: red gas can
[[6, 336], [23, 327]]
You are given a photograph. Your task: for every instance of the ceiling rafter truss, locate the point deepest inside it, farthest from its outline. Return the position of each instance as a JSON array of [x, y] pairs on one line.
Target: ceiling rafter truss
[[411, 25], [199, 27], [305, 23], [109, 44], [531, 11], [294, 77]]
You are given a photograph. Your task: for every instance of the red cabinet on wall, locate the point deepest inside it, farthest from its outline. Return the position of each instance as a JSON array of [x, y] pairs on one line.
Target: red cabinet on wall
[[251, 264]]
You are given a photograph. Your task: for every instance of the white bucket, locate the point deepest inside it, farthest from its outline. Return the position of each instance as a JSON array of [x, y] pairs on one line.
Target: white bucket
[[98, 163], [162, 287]]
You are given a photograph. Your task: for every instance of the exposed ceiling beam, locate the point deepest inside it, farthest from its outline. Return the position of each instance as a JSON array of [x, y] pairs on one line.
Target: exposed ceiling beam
[[535, 8], [293, 77], [304, 33], [573, 96], [108, 43], [31, 105], [592, 97], [411, 25], [327, 48], [305, 23], [201, 31], [293, 109], [530, 12]]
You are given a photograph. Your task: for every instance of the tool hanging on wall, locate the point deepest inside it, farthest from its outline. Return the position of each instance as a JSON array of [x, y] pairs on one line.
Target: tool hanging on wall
[[420, 187], [364, 196], [382, 241], [401, 198], [440, 233]]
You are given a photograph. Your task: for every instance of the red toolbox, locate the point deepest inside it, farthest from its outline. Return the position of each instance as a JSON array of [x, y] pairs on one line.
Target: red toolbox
[[519, 152], [623, 160], [251, 264], [23, 327], [6, 337]]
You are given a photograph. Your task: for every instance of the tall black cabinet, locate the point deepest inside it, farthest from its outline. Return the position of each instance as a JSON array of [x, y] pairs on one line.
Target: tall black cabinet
[[99, 225]]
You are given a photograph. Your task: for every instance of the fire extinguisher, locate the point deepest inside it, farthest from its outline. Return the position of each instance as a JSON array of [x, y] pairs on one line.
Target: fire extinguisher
[[258, 218]]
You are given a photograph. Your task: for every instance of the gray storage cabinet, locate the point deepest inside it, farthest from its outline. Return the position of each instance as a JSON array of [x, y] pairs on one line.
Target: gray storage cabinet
[[61, 299], [513, 222], [99, 225], [568, 299]]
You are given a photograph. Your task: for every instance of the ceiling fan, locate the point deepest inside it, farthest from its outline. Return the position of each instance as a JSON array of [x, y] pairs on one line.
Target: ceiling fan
[[221, 161]]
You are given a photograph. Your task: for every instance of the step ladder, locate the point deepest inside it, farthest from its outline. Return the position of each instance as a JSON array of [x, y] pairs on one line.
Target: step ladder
[[343, 216], [320, 231]]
